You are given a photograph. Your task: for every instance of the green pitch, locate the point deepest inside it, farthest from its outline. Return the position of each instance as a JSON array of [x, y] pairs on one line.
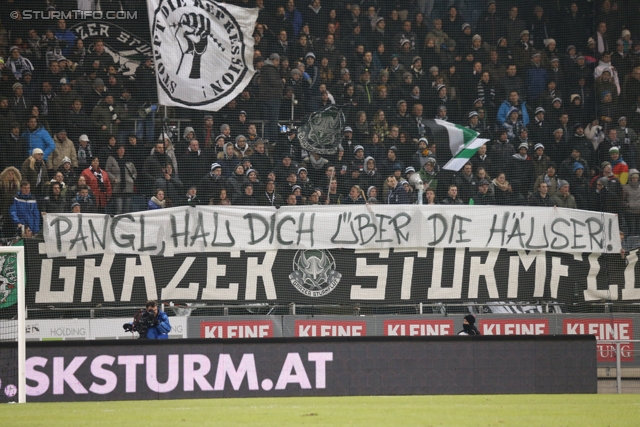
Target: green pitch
[[369, 411]]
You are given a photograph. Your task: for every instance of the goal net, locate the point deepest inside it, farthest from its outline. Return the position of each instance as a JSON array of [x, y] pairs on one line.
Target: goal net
[[12, 324]]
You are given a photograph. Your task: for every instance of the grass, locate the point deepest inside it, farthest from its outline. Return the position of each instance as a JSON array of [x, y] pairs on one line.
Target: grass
[[369, 411]]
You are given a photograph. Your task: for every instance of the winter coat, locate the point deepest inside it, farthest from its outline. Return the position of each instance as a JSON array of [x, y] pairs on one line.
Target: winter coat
[[63, 149], [631, 193], [41, 139], [24, 210], [270, 82], [564, 202], [36, 174], [113, 170], [101, 197], [162, 329]]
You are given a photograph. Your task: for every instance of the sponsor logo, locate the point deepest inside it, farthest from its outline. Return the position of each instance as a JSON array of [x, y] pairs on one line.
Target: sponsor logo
[[189, 36], [418, 327], [188, 371], [240, 329], [320, 328], [8, 280], [514, 327], [314, 273], [615, 329]]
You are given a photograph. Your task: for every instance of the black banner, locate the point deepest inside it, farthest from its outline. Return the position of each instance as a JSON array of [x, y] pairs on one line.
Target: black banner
[[331, 277], [298, 367]]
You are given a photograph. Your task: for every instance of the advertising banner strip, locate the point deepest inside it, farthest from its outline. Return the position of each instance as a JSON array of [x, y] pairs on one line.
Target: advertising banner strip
[[167, 232], [86, 371]]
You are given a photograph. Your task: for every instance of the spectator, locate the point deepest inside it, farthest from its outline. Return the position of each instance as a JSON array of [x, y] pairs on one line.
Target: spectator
[[194, 164], [9, 185], [355, 196], [212, 183], [503, 192], [483, 196], [247, 198], [271, 95], [631, 198], [20, 105], [158, 201], [17, 64], [122, 175], [563, 199], [34, 171], [55, 202], [269, 197], [83, 198], [24, 211], [549, 178], [14, 147], [397, 194], [541, 196], [98, 181], [76, 121], [64, 149], [191, 198], [107, 117], [37, 137], [452, 196], [619, 167]]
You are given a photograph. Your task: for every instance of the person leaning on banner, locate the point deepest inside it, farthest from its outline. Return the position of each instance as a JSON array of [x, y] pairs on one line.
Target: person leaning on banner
[[468, 326]]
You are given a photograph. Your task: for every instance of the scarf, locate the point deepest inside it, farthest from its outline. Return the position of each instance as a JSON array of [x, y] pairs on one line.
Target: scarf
[[99, 177], [503, 187], [114, 116], [519, 156], [547, 179], [614, 163], [271, 198], [155, 200]]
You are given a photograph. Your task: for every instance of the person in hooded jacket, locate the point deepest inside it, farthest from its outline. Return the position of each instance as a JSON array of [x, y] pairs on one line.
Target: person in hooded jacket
[[469, 326], [38, 137]]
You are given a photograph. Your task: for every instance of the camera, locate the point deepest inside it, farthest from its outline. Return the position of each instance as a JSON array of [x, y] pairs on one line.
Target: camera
[[142, 321]]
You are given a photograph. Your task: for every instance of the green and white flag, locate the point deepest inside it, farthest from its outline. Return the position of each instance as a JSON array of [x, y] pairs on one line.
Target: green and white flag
[[463, 142]]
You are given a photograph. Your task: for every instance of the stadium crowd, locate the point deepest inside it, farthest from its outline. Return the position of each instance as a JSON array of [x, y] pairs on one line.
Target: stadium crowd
[[554, 86]]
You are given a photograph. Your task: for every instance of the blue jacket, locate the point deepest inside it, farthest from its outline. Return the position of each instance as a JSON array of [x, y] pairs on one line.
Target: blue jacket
[[152, 206], [506, 106], [160, 331], [41, 139], [24, 210]]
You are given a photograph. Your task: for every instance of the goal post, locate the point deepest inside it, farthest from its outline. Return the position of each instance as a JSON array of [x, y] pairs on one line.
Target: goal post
[[13, 281]]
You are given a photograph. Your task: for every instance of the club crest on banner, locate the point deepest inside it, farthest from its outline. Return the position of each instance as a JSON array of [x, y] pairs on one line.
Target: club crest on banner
[[8, 280], [314, 273], [323, 131], [202, 50]]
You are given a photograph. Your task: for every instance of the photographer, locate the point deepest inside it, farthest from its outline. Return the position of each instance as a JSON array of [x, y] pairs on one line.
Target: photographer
[[150, 323]]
